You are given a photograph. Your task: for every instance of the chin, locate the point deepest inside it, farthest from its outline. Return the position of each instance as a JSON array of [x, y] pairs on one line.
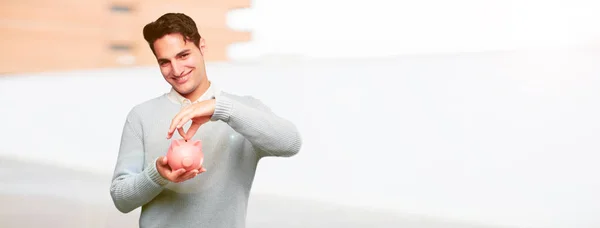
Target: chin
[[184, 89]]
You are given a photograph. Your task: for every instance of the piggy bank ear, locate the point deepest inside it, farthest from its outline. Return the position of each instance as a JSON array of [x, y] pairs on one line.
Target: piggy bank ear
[[176, 143], [197, 143]]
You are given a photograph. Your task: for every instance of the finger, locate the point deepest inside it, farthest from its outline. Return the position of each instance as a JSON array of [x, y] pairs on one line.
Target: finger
[[184, 119], [176, 120], [172, 128], [192, 130], [177, 173], [195, 126], [188, 175], [178, 123], [182, 122], [181, 132], [162, 163]]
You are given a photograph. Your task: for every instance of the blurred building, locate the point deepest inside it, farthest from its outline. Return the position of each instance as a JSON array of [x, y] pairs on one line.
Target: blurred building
[[42, 35]]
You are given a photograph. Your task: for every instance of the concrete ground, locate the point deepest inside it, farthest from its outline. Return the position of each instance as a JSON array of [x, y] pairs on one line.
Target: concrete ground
[[35, 195]]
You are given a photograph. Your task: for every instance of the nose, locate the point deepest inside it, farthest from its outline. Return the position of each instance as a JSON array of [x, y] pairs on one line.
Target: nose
[[177, 69]]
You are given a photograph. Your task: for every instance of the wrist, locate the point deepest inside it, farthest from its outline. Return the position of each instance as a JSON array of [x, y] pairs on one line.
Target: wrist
[[155, 175], [223, 108]]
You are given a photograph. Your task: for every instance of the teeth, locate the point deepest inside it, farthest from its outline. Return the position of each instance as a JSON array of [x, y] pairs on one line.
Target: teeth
[[181, 78]]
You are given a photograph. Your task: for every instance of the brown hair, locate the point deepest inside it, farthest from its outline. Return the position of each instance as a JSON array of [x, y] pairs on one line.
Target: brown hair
[[171, 23]]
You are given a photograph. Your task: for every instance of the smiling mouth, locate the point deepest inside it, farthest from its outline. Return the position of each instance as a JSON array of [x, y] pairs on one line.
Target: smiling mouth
[[183, 77]]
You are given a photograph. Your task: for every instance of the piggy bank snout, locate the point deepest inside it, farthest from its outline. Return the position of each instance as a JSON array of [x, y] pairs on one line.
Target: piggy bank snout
[[187, 162]]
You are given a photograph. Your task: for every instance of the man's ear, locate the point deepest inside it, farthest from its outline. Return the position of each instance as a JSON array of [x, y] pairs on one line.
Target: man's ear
[[202, 45]]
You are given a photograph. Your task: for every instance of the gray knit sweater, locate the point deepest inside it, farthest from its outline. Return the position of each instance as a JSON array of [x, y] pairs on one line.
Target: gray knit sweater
[[242, 131]]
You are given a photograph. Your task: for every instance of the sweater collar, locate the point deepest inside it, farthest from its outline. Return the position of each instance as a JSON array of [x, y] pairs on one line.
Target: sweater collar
[[177, 98]]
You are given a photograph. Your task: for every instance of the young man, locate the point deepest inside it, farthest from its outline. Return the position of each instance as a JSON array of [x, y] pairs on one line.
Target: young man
[[236, 132]]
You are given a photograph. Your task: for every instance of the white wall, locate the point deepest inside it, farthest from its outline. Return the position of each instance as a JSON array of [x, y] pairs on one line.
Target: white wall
[[497, 138], [337, 28]]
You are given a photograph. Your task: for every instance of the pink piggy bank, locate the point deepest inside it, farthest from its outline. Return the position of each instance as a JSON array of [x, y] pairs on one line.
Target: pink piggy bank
[[187, 155]]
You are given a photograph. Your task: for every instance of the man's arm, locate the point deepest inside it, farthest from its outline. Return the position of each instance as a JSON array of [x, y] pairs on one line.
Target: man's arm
[[270, 134], [132, 186]]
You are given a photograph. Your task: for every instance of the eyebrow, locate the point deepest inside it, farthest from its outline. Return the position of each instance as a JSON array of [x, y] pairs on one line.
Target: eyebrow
[[178, 54]]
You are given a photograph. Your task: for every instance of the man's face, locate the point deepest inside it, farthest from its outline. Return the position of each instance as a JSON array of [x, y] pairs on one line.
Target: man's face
[[181, 62]]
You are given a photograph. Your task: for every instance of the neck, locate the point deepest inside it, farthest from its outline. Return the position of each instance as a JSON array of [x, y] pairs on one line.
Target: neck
[[193, 96]]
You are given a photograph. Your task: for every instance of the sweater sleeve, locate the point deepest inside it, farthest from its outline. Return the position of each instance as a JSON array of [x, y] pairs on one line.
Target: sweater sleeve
[[270, 134], [132, 186]]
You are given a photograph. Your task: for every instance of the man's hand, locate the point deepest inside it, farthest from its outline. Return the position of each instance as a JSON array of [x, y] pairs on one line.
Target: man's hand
[[199, 113], [175, 176]]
